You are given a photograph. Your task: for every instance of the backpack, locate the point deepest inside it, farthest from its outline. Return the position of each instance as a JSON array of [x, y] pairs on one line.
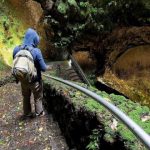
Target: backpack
[[23, 68]]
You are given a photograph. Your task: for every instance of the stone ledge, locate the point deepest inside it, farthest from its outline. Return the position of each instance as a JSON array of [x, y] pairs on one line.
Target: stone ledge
[[84, 122]]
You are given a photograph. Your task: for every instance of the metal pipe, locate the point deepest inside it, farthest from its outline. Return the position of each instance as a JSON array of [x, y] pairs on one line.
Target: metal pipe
[[80, 70], [136, 129]]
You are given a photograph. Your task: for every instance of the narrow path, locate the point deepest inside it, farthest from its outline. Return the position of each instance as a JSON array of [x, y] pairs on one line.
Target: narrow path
[[40, 133]]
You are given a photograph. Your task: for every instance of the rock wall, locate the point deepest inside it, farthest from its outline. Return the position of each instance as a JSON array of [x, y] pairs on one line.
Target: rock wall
[[120, 40], [127, 68], [28, 10], [31, 13]]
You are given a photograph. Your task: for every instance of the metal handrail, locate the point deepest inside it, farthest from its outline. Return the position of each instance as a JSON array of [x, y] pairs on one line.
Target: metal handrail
[[80, 70], [134, 128]]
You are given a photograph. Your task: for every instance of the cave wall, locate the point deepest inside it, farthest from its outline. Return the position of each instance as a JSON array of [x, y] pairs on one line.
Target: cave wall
[[30, 13], [126, 75], [11, 34], [28, 10], [120, 40]]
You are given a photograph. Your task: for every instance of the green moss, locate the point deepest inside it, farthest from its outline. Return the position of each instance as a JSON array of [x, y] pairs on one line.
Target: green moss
[[11, 31], [125, 133], [84, 4], [134, 110], [109, 138], [62, 7], [94, 140], [3, 66], [72, 3], [93, 105]]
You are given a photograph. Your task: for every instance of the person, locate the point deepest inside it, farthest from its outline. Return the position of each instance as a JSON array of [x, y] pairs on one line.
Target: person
[[31, 41]]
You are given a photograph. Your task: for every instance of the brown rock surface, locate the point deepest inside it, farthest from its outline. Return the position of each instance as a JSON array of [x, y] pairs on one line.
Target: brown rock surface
[[122, 39], [30, 13], [127, 62]]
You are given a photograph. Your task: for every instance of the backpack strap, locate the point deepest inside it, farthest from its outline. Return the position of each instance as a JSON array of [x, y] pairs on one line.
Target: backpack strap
[[25, 56], [30, 49], [20, 55]]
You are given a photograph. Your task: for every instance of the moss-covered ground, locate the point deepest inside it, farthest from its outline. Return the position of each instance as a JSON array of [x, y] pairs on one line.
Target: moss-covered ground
[[113, 128]]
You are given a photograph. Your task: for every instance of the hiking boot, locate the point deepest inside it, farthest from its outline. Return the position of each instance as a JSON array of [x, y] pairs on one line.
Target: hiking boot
[[27, 116], [30, 115], [40, 114]]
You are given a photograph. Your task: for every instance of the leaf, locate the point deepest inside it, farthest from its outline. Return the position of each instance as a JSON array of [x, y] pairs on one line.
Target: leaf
[[78, 93], [41, 129], [114, 124], [2, 142], [145, 118], [31, 142], [20, 123]]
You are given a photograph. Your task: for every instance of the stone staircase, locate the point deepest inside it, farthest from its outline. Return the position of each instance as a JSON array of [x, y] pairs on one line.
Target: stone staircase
[[62, 69]]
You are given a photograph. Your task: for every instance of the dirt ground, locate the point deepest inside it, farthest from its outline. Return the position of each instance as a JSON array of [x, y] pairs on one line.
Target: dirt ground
[[40, 133]]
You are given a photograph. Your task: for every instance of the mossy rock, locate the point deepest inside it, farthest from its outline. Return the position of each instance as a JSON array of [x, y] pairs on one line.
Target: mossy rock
[[11, 34], [133, 110]]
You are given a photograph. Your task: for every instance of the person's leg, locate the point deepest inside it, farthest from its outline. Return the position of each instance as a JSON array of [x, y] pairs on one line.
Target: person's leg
[[37, 89], [26, 93]]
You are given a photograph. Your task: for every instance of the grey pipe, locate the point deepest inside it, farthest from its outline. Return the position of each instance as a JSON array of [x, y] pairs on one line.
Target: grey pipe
[[80, 70], [137, 130]]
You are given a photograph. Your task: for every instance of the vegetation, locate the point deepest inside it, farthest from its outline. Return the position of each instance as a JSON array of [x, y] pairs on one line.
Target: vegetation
[[2, 65], [94, 138], [113, 128], [71, 20], [11, 32]]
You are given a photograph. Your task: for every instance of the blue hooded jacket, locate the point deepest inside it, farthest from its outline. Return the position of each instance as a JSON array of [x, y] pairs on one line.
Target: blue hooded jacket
[[31, 41]]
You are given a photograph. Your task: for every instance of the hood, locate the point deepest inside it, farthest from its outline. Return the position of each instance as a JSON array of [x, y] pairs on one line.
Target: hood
[[31, 38]]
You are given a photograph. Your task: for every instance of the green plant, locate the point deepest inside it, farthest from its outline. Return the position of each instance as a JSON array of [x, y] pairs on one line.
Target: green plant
[[11, 30], [73, 19], [94, 140], [2, 65], [62, 7]]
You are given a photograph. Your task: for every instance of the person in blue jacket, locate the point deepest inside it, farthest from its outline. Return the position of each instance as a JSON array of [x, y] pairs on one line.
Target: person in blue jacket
[[31, 41]]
